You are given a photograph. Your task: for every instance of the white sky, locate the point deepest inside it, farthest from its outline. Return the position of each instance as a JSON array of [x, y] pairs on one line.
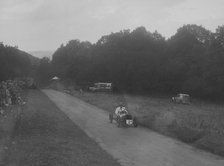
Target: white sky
[[46, 24]]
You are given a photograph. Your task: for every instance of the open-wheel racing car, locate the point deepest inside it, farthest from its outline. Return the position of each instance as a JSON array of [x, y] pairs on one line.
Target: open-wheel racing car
[[123, 119]]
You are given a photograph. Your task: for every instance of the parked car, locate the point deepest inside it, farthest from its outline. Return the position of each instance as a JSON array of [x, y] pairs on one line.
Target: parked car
[[181, 98], [101, 86]]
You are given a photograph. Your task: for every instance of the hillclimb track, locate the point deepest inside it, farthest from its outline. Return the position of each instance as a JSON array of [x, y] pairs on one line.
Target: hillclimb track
[[130, 146]]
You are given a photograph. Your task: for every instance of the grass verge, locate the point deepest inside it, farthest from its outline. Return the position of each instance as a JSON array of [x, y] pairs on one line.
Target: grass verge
[[45, 136], [199, 124]]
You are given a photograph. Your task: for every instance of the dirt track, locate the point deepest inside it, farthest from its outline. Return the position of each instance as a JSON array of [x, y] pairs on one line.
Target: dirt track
[[131, 146]]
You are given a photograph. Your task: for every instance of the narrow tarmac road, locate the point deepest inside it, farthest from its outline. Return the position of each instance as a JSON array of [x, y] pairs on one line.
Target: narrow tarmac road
[[131, 146]]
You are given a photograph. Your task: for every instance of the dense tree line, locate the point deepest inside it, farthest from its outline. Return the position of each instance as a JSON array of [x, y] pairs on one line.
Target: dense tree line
[[16, 63], [191, 61]]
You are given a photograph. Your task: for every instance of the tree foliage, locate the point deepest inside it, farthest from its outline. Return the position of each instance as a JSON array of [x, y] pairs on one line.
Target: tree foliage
[[191, 61], [14, 63]]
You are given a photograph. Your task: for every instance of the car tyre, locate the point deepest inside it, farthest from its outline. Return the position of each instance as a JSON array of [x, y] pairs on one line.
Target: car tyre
[[118, 122], [135, 122], [110, 118]]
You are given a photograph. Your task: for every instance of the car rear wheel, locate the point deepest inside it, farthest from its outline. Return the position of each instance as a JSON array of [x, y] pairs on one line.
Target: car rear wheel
[[135, 122], [110, 118]]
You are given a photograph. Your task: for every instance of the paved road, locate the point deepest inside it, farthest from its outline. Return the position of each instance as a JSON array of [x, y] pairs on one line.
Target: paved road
[[131, 146]]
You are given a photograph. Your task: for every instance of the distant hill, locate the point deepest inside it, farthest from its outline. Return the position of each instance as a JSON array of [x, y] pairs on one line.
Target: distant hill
[[41, 54], [16, 63], [33, 59]]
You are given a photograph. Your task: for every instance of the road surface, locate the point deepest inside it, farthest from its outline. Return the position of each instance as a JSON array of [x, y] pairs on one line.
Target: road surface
[[131, 146]]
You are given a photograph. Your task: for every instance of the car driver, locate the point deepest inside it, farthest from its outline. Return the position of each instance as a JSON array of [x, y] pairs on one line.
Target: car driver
[[121, 110]]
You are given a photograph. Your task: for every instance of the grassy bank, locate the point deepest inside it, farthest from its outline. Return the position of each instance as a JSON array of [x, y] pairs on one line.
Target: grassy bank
[[45, 136], [8, 119], [199, 124]]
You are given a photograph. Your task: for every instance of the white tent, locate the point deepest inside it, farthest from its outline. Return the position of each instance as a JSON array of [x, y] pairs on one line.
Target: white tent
[[55, 78]]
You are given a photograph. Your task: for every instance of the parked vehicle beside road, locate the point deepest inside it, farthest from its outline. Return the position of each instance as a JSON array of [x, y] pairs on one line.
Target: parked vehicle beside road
[[101, 86], [181, 98]]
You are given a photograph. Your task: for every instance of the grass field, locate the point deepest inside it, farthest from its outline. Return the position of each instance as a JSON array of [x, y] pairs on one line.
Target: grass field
[[42, 135], [200, 124]]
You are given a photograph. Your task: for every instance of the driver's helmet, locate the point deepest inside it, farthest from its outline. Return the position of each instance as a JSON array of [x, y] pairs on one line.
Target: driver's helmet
[[120, 105]]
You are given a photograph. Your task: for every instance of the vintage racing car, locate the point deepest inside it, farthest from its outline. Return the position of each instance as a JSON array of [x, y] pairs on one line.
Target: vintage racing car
[[125, 120]]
